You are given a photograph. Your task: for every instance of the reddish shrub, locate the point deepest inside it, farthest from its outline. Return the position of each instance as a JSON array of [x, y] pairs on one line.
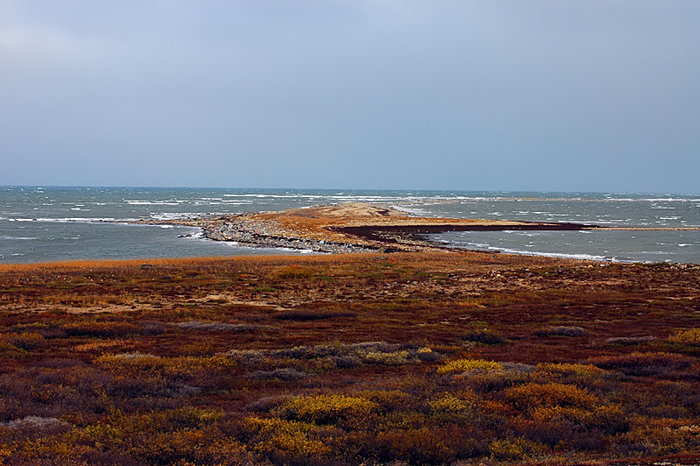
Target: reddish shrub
[[644, 364]]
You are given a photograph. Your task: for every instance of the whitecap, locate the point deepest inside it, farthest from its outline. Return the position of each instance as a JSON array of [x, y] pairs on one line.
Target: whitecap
[[140, 202], [411, 210], [72, 220], [559, 255]]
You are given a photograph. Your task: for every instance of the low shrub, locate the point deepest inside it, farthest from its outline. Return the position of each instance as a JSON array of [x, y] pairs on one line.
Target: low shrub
[[448, 403], [569, 370], [428, 355], [644, 364], [690, 337], [326, 409], [494, 381], [487, 337], [532, 395], [630, 341], [608, 419], [428, 445], [651, 436], [182, 366], [222, 326], [470, 365], [27, 340], [7, 348], [293, 272], [326, 357], [391, 400], [516, 449], [306, 315], [394, 358], [561, 331], [101, 329], [286, 441], [280, 374]]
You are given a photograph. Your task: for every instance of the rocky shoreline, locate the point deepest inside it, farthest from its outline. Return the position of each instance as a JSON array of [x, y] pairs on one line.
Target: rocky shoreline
[[252, 233], [345, 228]]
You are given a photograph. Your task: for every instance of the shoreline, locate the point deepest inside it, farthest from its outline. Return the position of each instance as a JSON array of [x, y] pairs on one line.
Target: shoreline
[[347, 228], [359, 227]]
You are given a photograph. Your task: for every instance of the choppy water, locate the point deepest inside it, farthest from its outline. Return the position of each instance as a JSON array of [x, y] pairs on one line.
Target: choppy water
[[47, 224]]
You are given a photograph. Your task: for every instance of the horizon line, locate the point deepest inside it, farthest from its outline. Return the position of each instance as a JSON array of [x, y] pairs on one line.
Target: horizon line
[[40, 186]]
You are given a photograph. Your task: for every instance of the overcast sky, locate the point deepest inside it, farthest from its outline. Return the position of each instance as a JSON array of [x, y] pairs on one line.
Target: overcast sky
[[575, 95]]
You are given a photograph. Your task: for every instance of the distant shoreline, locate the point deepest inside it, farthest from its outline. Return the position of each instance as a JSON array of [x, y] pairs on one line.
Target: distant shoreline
[[347, 228], [360, 227]]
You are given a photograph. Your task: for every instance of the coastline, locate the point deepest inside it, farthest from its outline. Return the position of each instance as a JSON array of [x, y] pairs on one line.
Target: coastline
[[347, 228], [57, 225], [377, 228]]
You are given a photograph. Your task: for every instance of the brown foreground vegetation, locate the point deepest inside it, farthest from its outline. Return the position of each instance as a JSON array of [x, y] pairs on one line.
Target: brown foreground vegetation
[[420, 358]]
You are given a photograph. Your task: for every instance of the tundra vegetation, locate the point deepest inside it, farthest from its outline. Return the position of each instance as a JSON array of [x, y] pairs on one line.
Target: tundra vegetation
[[425, 358]]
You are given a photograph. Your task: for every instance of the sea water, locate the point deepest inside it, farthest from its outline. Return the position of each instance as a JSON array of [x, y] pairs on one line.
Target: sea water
[[57, 223]]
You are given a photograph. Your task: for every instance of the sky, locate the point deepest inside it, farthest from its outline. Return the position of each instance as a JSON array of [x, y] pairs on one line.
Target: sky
[[521, 95]]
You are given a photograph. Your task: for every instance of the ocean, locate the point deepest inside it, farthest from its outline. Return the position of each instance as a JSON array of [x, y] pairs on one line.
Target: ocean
[[39, 224]]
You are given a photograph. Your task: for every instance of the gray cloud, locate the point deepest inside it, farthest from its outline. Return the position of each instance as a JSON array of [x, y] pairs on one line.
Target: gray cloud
[[454, 94]]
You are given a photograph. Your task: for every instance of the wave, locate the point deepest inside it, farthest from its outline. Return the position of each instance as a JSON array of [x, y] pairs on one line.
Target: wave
[[175, 202], [71, 220], [559, 255], [413, 211], [181, 215]]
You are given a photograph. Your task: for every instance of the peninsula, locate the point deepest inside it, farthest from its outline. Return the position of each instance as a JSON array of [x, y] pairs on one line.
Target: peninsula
[[349, 227]]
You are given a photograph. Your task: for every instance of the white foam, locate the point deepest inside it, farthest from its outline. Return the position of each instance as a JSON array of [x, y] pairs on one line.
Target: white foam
[[178, 215], [140, 202], [411, 210], [79, 220], [559, 255], [71, 220], [19, 238]]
